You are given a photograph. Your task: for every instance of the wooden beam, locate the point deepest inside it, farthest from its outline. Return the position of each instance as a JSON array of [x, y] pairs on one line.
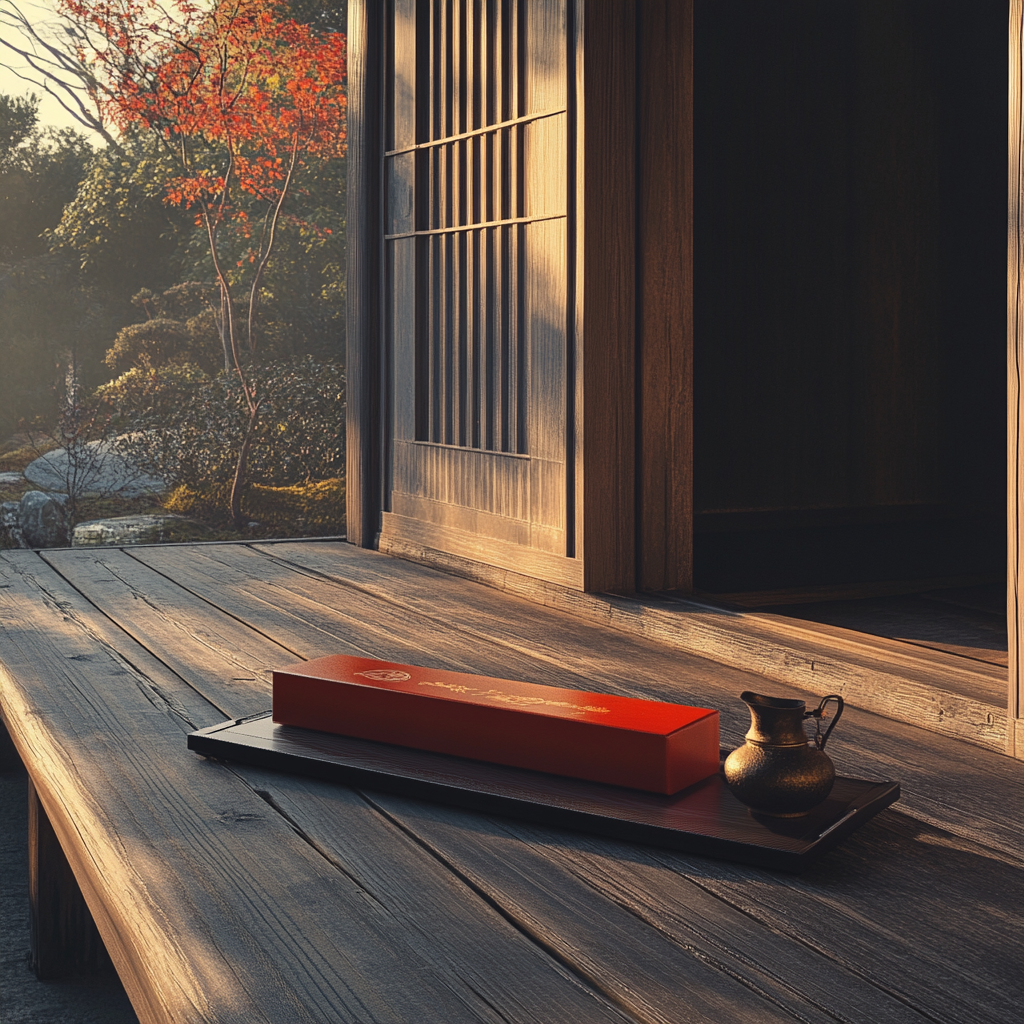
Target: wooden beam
[[1015, 360], [9, 759], [64, 939], [363, 333], [664, 298], [605, 293]]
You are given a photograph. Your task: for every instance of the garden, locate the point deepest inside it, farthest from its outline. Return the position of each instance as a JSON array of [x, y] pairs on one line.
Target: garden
[[172, 292]]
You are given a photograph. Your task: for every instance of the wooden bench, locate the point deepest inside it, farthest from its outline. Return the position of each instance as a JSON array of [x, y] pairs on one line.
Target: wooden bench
[[230, 893]]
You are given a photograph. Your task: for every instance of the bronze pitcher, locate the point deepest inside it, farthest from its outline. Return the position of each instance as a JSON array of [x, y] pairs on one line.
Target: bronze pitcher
[[777, 772]]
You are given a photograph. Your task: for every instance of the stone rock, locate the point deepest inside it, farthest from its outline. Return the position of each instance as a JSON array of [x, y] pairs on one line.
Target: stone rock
[[11, 479], [101, 469], [10, 526], [141, 529], [43, 519]]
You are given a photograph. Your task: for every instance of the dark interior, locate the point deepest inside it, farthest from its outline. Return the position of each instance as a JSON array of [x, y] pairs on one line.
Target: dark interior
[[849, 282]]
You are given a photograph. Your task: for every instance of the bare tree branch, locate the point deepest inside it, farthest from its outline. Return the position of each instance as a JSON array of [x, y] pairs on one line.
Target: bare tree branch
[[49, 51]]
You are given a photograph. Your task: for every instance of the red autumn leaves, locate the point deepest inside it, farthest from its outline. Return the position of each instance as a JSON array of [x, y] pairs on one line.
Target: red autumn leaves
[[234, 76]]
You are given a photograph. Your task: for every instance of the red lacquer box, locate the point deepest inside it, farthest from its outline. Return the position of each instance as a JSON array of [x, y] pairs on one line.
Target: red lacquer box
[[644, 744]]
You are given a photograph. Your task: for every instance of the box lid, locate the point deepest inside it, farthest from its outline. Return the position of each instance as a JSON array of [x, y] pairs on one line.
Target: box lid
[[647, 716]]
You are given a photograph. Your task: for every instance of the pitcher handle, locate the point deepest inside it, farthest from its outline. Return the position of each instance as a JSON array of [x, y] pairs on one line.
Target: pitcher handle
[[819, 713]]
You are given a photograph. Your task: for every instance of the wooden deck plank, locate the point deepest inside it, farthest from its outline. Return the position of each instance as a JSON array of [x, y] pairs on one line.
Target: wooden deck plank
[[652, 977], [444, 632], [915, 619], [916, 910], [108, 577], [908, 920], [202, 880], [871, 746], [29, 578], [816, 961], [880, 675], [195, 911], [537, 874], [309, 616], [677, 970], [361, 567], [448, 619], [986, 804], [185, 633], [680, 972]]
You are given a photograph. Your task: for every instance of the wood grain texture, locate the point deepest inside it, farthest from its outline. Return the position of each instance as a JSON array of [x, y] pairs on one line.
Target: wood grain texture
[[605, 301], [848, 906], [932, 689], [653, 976], [308, 597], [228, 895], [67, 735], [165, 618], [477, 310], [486, 526], [448, 924], [664, 262], [704, 819], [181, 820], [922, 622], [553, 643], [491, 482], [1015, 360], [553, 885], [412, 538]]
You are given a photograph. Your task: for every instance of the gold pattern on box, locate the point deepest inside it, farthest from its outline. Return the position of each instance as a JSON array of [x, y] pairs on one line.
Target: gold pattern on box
[[504, 697]]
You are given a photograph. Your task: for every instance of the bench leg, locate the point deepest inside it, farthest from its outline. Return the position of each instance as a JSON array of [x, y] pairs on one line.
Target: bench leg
[[9, 760], [65, 940]]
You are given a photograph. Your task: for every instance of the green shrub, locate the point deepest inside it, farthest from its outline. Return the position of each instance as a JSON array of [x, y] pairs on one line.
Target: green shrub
[[161, 341], [180, 327], [186, 426]]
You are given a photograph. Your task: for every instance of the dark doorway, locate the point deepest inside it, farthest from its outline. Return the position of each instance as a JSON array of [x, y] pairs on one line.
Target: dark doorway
[[849, 296]]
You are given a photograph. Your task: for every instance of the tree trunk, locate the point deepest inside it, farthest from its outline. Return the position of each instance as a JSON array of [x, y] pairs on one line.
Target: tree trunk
[[241, 469]]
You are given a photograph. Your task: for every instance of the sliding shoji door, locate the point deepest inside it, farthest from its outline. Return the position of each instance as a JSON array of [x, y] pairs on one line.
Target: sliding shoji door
[[476, 279]]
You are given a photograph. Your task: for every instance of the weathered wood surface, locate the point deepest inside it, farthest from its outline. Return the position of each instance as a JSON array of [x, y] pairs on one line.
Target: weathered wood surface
[[942, 692], [477, 234], [605, 297], [230, 893], [664, 293]]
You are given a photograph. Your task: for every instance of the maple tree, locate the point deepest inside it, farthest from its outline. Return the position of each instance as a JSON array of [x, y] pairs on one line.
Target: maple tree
[[243, 98]]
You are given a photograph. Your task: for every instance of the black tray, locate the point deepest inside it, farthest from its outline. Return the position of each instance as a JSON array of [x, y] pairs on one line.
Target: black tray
[[705, 819]]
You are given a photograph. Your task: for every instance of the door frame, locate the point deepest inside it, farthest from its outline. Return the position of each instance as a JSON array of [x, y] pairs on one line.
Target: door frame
[[1015, 393], [621, 361], [363, 419]]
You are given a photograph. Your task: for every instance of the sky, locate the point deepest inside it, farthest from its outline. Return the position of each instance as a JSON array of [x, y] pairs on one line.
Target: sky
[[50, 111]]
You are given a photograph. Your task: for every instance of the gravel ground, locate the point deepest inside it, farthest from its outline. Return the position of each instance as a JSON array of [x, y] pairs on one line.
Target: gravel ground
[[98, 999]]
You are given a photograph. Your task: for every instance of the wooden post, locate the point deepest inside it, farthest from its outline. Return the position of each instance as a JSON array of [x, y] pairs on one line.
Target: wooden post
[[363, 333], [605, 294], [64, 937], [1015, 362], [664, 286], [9, 759]]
